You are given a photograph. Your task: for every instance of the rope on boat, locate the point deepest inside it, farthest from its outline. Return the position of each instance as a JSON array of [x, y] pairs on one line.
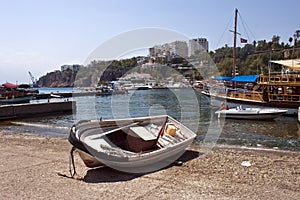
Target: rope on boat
[[72, 168]]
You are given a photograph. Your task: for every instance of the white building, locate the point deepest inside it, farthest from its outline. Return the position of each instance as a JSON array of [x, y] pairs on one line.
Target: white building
[[75, 67], [197, 44], [180, 48], [174, 48]]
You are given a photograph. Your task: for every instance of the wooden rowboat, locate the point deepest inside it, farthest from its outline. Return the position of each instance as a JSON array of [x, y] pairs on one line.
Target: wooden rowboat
[[135, 145]]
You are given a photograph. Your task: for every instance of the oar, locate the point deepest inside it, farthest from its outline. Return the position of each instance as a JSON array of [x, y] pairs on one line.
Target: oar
[[111, 131], [161, 132]]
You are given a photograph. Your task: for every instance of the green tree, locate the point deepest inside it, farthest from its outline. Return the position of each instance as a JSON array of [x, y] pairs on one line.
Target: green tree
[[275, 42], [262, 45], [290, 41]]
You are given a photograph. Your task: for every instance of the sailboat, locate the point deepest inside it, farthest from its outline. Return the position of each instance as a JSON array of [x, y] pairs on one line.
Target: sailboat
[[275, 90]]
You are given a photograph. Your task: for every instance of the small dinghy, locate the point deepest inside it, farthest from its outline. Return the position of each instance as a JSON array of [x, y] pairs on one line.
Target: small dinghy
[[135, 145], [250, 113]]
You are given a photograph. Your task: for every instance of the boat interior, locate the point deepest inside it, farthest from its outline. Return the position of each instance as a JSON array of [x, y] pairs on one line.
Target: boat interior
[[132, 142], [137, 137]]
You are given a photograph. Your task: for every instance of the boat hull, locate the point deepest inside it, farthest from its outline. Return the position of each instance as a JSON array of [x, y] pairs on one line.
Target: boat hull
[[142, 163], [25, 99], [251, 114]]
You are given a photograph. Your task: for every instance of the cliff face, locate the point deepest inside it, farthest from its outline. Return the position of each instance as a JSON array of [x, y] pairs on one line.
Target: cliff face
[[86, 77], [111, 74], [58, 79]]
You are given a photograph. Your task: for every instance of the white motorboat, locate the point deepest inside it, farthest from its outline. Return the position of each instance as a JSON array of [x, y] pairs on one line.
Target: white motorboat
[[250, 113], [135, 145]]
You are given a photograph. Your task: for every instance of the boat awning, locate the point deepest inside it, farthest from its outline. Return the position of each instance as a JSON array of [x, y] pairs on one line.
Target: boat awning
[[10, 85], [223, 78], [245, 79], [293, 64]]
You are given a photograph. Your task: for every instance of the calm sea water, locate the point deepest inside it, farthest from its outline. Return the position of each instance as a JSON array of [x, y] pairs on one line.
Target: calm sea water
[[191, 108]]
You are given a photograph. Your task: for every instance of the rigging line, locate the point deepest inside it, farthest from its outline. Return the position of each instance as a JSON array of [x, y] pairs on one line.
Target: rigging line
[[228, 23], [246, 27]]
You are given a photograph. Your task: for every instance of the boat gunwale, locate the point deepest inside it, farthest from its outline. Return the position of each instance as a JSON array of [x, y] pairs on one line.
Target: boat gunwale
[[147, 154]]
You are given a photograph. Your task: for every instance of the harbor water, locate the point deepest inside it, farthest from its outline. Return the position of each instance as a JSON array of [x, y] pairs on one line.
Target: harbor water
[[185, 105]]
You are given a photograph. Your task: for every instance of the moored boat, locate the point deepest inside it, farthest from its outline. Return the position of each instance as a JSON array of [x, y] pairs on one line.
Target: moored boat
[[111, 89], [277, 90], [135, 145], [250, 113], [273, 90], [12, 93], [144, 87], [104, 90]]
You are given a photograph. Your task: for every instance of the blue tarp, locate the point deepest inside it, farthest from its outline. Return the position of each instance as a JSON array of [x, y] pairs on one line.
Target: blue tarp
[[245, 79]]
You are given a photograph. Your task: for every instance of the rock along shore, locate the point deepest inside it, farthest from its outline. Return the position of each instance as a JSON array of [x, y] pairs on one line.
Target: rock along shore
[[36, 167]]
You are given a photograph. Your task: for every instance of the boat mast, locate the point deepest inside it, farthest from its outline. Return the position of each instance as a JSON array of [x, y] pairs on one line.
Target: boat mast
[[234, 42]]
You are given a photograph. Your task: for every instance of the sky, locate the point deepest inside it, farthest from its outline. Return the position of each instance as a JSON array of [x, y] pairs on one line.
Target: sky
[[41, 35]]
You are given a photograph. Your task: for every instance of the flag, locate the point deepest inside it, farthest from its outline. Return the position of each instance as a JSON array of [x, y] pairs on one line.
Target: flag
[[243, 40]]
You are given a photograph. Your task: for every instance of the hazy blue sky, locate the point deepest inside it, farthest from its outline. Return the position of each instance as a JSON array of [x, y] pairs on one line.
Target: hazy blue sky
[[41, 35]]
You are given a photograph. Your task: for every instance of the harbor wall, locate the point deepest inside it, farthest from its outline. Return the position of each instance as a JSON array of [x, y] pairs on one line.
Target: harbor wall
[[17, 111]]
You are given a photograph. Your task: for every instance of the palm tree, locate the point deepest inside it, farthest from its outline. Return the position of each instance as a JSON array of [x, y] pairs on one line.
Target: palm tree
[[290, 41], [297, 33], [296, 36]]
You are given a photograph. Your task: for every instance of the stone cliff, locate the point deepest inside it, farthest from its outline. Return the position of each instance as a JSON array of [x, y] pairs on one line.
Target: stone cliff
[[58, 79], [86, 77]]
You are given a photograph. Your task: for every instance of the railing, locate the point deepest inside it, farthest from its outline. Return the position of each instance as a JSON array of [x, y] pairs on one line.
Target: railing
[[284, 97], [280, 78], [246, 95]]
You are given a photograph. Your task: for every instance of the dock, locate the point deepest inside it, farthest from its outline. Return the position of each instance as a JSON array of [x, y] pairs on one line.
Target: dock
[[29, 110], [63, 95]]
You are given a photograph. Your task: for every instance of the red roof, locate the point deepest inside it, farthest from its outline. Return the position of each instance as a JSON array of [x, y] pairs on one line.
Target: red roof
[[10, 85]]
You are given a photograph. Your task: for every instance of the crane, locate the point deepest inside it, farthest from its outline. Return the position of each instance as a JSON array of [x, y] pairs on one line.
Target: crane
[[32, 79]]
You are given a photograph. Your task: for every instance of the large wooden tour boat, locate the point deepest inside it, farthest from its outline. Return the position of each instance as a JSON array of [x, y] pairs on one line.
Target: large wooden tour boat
[[274, 90]]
